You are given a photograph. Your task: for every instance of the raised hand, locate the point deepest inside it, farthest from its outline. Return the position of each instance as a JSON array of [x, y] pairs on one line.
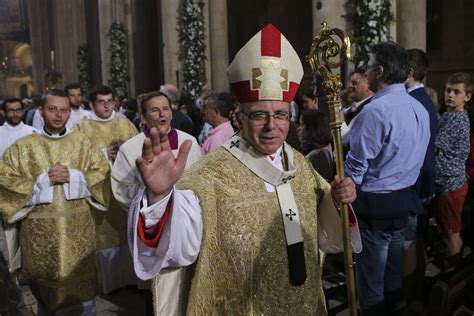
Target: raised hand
[[159, 169], [343, 191]]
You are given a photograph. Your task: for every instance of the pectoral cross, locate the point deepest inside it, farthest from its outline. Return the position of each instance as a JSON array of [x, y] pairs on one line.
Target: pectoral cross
[[290, 214], [285, 180], [234, 143]]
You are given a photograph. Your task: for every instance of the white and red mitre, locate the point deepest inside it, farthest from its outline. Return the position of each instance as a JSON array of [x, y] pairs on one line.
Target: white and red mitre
[[266, 68]]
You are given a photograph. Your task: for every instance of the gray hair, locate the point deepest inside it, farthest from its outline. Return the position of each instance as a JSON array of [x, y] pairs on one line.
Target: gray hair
[[171, 92]]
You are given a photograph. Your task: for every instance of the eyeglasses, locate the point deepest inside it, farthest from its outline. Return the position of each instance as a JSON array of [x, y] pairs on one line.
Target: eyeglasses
[[262, 117], [104, 102], [14, 111], [55, 109]]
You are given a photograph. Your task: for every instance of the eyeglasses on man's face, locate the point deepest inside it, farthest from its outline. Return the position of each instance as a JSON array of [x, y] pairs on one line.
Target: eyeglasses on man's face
[[104, 102], [262, 117], [55, 109], [14, 111]]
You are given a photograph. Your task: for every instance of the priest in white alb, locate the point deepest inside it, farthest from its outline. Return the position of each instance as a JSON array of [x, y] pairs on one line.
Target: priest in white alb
[[11, 131], [155, 109]]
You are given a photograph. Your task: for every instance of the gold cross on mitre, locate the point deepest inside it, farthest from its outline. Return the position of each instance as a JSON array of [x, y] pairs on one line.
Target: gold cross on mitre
[[270, 79]]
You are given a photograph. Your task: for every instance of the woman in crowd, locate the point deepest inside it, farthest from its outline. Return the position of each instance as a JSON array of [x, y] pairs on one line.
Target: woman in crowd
[[314, 132]]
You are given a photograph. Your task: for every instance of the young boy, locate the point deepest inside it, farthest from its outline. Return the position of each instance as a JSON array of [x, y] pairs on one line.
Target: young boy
[[452, 151]]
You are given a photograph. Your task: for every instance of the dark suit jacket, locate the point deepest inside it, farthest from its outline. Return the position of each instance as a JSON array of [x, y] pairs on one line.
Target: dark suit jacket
[[349, 117], [425, 183], [182, 122]]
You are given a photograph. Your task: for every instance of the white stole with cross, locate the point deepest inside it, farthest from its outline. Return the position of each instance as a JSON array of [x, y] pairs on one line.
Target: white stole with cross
[[261, 167], [281, 179]]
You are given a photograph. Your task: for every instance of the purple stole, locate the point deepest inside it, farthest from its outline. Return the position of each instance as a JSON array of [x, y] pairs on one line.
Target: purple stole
[[172, 137]]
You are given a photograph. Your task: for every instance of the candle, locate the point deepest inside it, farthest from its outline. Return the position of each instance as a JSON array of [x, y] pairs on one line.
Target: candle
[[52, 59]]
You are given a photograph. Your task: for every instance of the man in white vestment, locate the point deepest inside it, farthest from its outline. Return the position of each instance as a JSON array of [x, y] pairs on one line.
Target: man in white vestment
[[156, 110], [250, 215], [12, 130]]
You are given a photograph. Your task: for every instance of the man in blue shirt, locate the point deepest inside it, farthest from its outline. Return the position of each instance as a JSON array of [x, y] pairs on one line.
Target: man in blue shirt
[[388, 145]]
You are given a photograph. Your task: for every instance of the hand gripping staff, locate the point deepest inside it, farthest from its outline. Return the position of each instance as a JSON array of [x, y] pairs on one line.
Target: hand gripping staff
[[329, 50]]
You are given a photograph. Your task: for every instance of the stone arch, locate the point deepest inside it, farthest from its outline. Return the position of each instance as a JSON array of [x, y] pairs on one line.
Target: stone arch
[[22, 56]]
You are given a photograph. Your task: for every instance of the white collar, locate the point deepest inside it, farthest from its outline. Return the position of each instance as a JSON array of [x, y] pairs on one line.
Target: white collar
[[261, 165], [80, 109], [55, 136], [355, 105], [415, 86], [11, 127], [94, 117]]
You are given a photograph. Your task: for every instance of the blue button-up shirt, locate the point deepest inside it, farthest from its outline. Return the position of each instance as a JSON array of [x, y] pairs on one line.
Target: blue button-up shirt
[[388, 141]]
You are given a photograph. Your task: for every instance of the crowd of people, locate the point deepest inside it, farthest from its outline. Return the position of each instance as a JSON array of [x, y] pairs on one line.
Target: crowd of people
[[215, 201]]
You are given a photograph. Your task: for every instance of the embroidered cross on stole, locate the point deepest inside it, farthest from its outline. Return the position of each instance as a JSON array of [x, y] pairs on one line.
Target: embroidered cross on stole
[[261, 167]]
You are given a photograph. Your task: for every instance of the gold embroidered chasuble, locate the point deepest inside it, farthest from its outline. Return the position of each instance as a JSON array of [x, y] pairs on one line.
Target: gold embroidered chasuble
[[242, 267], [57, 239], [111, 226]]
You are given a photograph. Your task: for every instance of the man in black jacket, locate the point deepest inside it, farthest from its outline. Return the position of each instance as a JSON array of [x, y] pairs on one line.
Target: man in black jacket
[[425, 184], [418, 66], [180, 120]]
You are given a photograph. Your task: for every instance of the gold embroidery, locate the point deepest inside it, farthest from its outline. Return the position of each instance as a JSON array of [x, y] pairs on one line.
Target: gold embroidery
[[111, 226], [270, 79], [284, 84], [243, 267], [256, 72], [57, 239]]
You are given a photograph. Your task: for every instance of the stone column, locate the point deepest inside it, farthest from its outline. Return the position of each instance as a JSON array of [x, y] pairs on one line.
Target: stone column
[[392, 29], [106, 10], [60, 26], [331, 11], [411, 23], [169, 9], [111, 11], [207, 13], [39, 41], [169, 15], [219, 57], [127, 20], [70, 32]]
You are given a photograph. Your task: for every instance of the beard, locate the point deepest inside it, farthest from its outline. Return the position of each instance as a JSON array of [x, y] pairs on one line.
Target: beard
[[75, 107], [11, 122]]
